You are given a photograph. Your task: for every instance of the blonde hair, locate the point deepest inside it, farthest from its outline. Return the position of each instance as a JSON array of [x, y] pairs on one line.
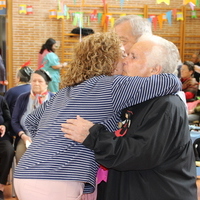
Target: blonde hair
[[96, 55]]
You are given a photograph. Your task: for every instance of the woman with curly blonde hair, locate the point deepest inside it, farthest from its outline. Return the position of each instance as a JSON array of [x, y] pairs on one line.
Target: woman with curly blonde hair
[[96, 55], [54, 167]]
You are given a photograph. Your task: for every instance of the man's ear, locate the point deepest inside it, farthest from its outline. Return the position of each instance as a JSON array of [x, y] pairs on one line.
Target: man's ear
[[156, 70]]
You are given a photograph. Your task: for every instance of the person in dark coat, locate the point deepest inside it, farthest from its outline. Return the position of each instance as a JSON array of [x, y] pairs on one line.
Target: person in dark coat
[[6, 148]]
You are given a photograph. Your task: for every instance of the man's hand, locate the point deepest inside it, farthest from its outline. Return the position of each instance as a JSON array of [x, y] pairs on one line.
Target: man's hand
[[2, 130], [76, 129]]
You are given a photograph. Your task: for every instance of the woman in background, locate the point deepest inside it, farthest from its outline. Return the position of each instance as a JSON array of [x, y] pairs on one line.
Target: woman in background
[[50, 62], [190, 85], [25, 104]]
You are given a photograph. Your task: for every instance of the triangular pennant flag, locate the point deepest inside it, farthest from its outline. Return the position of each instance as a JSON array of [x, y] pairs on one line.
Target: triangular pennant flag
[[174, 12], [160, 20], [121, 3], [169, 17], [103, 19], [188, 1], [191, 5], [112, 20], [60, 15], [99, 16], [165, 1], [154, 20], [194, 14]]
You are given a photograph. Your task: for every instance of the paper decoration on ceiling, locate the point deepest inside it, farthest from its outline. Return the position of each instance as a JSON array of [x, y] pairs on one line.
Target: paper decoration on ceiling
[[163, 1], [52, 13], [29, 10], [22, 9], [2, 4], [188, 1], [179, 16]]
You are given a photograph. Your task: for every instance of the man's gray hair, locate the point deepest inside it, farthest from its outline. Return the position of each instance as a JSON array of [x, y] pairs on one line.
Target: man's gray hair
[[139, 25], [164, 53]]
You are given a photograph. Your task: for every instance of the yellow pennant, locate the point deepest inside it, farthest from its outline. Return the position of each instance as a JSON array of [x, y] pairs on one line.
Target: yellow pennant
[[165, 1], [188, 1]]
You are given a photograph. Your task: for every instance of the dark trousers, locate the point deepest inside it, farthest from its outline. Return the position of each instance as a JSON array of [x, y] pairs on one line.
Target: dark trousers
[[6, 158]]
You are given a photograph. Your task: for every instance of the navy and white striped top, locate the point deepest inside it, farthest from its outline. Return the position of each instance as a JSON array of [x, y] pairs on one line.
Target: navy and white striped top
[[100, 100]]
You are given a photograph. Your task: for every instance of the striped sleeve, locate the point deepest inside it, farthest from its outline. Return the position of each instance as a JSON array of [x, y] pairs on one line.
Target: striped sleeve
[[134, 90]]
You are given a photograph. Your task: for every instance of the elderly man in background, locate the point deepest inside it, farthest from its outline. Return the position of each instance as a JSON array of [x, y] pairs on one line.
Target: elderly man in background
[[130, 28], [151, 156]]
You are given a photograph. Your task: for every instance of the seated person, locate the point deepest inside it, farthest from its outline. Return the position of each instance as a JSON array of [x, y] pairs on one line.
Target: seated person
[[6, 147], [189, 84], [23, 85], [25, 104]]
